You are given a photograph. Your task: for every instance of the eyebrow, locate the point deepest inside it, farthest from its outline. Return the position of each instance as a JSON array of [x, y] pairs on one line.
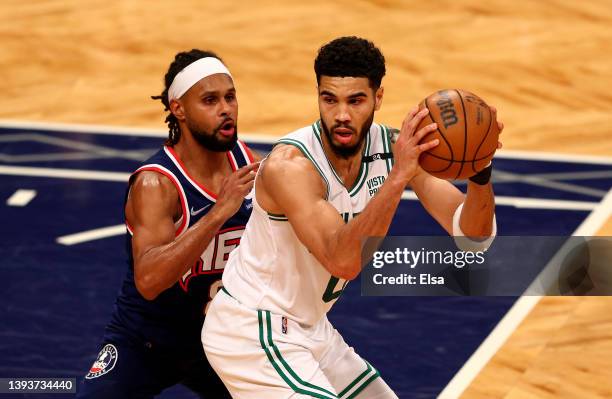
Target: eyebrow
[[358, 94], [216, 92], [327, 93]]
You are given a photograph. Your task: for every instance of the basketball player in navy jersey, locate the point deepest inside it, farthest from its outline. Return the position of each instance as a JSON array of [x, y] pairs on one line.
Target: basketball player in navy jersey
[[186, 208]]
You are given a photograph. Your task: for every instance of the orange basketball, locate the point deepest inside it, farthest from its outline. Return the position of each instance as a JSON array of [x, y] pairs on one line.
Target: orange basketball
[[467, 132]]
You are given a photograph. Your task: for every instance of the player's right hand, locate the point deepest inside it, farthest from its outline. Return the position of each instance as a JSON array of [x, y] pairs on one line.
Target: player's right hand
[[407, 147], [235, 187]]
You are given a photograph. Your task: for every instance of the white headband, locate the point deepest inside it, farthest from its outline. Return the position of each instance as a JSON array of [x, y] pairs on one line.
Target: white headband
[[193, 73]]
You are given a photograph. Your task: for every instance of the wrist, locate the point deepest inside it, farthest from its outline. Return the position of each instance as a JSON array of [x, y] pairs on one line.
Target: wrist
[[396, 179], [218, 214], [484, 176]]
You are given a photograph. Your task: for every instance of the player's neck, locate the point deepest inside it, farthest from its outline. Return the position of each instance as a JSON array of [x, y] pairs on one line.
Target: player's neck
[[347, 168], [201, 163]]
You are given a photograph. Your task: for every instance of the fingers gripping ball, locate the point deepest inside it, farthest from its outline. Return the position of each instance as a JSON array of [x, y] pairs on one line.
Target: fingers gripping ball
[[467, 130]]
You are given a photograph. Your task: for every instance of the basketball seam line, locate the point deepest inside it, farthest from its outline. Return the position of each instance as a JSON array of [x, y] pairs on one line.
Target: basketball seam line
[[465, 135], [483, 140], [458, 160], [443, 137]]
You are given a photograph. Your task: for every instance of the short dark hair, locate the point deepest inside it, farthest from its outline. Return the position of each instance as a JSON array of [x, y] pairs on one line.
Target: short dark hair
[[351, 56], [181, 60]]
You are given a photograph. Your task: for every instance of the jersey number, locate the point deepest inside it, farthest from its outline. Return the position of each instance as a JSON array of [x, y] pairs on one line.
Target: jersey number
[[329, 294]]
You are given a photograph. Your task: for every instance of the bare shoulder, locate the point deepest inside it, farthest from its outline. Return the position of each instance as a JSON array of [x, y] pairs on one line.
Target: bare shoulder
[[287, 160], [152, 183], [151, 192], [285, 152], [285, 176]]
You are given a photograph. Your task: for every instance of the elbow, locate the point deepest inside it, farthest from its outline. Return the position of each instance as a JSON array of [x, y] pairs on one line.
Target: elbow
[[350, 275], [144, 285], [345, 270]]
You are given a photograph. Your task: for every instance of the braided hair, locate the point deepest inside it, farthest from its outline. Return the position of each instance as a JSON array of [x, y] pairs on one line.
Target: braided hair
[[181, 60]]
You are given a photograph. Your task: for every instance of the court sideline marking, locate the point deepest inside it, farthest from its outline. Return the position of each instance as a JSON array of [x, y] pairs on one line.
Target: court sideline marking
[[499, 335], [109, 231], [21, 197], [267, 139], [91, 235]]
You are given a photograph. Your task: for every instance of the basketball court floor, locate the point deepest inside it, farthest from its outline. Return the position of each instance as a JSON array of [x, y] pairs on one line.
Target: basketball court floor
[[63, 255], [77, 118]]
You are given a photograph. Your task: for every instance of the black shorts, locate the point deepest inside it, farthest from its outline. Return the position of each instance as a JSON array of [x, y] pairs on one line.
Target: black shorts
[[124, 369]]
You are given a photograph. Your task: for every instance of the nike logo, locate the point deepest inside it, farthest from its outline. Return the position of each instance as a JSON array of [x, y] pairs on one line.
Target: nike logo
[[194, 212]]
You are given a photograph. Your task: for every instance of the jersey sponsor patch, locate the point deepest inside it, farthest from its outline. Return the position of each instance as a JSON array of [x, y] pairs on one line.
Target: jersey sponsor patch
[[284, 325], [374, 184], [107, 358]]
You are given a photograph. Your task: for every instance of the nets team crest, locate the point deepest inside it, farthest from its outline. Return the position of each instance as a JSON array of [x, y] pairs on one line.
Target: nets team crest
[[107, 358]]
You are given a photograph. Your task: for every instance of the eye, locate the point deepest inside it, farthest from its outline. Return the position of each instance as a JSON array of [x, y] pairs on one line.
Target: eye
[[210, 99], [230, 97], [329, 100], [355, 101]]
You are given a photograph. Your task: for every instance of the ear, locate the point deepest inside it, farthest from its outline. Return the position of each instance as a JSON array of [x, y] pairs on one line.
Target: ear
[[177, 110], [378, 97]]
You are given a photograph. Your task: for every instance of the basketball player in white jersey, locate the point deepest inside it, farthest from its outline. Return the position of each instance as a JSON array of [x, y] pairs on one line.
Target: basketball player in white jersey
[[321, 191]]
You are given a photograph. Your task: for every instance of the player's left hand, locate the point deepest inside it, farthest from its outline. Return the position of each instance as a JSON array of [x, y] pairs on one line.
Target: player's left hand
[[484, 176], [500, 125]]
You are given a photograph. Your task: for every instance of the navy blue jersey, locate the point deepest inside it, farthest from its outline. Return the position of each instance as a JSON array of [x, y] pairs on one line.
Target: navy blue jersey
[[174, 319]]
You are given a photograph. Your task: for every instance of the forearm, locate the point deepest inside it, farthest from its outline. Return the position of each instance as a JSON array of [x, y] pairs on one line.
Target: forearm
[[439, 198], [478, 210], [161, 267], [374, 221]]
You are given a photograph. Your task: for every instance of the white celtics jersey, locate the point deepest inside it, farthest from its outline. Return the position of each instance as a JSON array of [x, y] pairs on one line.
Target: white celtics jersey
[[271, 269]]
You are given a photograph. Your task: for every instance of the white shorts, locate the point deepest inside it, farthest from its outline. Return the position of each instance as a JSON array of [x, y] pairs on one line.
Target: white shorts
[[259, 355]]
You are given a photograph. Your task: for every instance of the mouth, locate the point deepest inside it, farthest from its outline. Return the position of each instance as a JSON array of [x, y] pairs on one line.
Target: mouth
[[343, 135], [227, 128]]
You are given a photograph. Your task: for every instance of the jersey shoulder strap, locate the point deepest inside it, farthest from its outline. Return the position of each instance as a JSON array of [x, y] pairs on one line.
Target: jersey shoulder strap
[[305, 140], [240, 155]]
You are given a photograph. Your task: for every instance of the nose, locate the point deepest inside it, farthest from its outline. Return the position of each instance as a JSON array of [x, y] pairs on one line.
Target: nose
[[343, 115], [226, 108]]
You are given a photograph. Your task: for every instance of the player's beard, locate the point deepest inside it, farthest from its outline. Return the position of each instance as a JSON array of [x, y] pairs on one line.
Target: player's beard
[[214, 141], [344, 151]]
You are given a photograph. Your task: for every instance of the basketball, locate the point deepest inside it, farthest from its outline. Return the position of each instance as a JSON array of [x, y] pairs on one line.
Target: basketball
[[466, 130]]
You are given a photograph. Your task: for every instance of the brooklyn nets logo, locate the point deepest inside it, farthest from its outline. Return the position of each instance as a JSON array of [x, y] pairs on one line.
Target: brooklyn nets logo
[[107, 358]]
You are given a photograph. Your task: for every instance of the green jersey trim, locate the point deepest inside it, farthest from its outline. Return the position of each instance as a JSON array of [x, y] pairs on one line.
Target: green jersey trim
[[363, 170], [277, 217], [308, 155], [226, 291], [387, 146], [282, 368], [358, 384]]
